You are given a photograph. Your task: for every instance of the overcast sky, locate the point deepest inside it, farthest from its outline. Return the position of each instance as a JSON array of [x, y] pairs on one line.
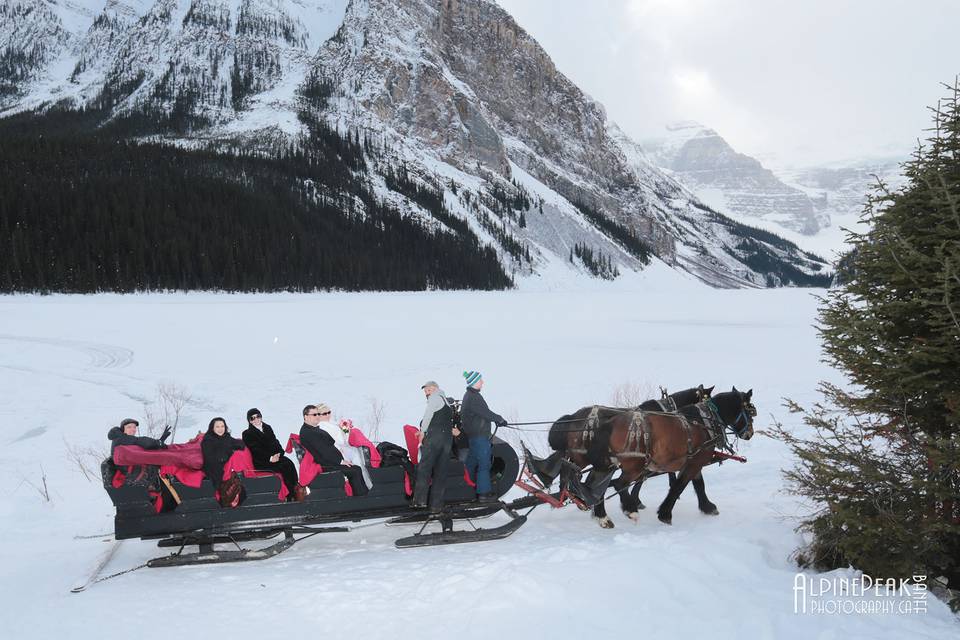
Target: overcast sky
[[790, 82]]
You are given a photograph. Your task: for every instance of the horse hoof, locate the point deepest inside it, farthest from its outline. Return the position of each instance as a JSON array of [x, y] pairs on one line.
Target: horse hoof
[[710, 511], [605, 523], [665, 518], [633, 515]]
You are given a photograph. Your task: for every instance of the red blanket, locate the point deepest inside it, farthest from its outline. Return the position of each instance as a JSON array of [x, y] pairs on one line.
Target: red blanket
[[185, 463], [186, 455], [241, 461], [358, 439]]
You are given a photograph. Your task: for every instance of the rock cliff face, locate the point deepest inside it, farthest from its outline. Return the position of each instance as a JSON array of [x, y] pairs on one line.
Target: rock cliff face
[[733, 182], [841, 190], [453, 92], [33, 37]]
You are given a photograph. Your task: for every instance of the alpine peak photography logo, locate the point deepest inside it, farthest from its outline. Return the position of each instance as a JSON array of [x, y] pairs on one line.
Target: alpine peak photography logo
[[862, 594]]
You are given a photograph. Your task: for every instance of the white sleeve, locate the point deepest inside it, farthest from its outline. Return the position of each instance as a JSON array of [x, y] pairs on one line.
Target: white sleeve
[[434, 404]]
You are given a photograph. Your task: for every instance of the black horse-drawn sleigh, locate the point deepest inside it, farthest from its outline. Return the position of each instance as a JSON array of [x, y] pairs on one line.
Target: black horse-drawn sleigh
[[679, 433], [199, 519]]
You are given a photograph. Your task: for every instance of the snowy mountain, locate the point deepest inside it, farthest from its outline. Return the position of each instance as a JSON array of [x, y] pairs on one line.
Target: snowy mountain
[[841, 190], [733, 182], [452, 93]]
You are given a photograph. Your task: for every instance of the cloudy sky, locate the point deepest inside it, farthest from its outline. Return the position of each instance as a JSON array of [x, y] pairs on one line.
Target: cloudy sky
[[790, 82]]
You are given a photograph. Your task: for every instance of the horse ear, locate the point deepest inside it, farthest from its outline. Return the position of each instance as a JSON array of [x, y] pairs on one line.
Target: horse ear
[[734, 388], [749, 394], [709, 391]]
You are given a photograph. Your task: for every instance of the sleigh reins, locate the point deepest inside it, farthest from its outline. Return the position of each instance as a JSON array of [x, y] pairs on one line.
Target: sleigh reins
[[514, 425]]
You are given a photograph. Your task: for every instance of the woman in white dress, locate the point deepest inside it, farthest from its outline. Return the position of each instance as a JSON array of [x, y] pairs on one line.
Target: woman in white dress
[[341, 437]]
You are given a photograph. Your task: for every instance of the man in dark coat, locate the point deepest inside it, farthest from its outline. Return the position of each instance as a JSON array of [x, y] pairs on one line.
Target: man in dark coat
[[325, 453], [267, 453], [436, 439], [475, 419], [126, 434], [143, 475]]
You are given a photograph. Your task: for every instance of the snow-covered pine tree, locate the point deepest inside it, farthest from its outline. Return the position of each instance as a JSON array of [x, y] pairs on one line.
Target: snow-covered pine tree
[[883, 468]]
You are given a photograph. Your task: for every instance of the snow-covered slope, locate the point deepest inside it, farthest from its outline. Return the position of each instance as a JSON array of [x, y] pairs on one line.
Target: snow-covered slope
[[454, 91], [838, 192]]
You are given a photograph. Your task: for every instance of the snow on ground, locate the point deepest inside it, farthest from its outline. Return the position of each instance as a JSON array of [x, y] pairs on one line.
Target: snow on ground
[[72, 366]]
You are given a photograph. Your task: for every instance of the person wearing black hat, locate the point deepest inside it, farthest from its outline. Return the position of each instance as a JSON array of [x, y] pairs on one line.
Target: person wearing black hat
[[436, 439], [126, 434], [267, 454]]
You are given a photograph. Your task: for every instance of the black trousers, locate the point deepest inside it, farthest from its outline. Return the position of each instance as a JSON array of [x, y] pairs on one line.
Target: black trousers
[[434, 457], [285, 467], [354, 477]]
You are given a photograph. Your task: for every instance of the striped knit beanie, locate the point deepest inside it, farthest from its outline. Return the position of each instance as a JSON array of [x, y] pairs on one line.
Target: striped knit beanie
[[473, 377]]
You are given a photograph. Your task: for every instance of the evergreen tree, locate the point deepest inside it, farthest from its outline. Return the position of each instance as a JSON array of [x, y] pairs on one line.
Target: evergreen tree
[[85, 210], [884, 466]]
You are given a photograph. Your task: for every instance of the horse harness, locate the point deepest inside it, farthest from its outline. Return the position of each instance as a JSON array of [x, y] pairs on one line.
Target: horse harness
[[639, 431], [667, 404], [590, 426]]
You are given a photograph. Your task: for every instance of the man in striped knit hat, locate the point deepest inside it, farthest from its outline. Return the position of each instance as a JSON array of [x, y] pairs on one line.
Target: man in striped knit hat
[[475, 418]]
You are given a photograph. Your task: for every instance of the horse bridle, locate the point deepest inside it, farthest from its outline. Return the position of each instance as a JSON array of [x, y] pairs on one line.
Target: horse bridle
[[747, 412]]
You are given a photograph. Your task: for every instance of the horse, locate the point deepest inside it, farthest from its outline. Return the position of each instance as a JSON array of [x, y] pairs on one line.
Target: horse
[[647, 443], [630, 502], [595, 417]]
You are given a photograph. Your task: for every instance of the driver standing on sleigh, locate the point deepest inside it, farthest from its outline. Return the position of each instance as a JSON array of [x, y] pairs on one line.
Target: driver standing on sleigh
[[437, 431]]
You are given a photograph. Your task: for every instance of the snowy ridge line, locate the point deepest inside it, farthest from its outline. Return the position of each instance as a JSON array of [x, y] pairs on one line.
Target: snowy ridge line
[[425, 79]]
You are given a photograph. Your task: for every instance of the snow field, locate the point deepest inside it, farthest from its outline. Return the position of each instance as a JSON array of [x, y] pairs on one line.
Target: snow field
[[70, 367]]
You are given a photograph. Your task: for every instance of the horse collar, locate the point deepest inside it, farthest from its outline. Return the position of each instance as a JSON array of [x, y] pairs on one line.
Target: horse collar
[[668, 404]]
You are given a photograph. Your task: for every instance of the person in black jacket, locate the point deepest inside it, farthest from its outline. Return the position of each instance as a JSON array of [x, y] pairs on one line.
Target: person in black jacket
[[143, 475], [267, 454], [126, 434], [217, 447], [324, 450], [475, 419], [436, 439]]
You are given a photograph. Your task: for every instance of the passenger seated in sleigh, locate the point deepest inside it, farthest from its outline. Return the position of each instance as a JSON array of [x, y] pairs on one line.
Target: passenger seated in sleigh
[[226, 461], [220, 462], [150, 463], [125, 467], [326, 443]]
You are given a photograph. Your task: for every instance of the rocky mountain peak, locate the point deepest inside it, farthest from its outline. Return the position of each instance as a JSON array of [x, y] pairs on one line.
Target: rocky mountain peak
[[732, 182], [454, 92]]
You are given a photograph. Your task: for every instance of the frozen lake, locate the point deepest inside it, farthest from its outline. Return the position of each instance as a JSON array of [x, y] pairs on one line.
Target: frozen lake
[[72, 366]]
